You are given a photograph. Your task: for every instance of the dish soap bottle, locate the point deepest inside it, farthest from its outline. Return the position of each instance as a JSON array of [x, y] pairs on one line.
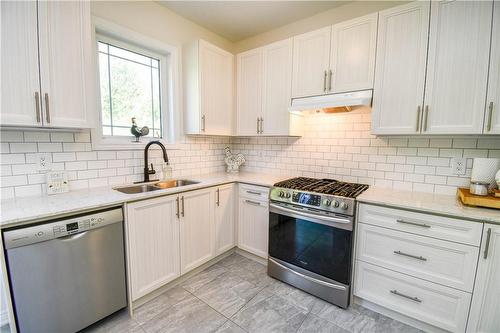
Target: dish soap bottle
[[167, 171]]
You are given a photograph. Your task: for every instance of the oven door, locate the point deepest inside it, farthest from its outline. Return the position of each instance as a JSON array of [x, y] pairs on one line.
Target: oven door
[[317, 243]]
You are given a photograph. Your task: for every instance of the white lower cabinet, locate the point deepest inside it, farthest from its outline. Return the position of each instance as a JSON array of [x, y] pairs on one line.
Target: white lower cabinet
[[197, 228], [434, 304], [153, 244], [225, 212], [253, 220], [485, 309]]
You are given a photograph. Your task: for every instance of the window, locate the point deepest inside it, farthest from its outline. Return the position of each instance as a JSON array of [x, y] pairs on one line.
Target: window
[[130, 87]]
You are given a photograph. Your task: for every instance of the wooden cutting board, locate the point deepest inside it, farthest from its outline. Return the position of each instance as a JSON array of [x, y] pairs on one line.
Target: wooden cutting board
[[477, 200]]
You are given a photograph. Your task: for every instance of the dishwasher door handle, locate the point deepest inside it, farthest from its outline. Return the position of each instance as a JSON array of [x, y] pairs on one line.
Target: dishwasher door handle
[[72, 237]]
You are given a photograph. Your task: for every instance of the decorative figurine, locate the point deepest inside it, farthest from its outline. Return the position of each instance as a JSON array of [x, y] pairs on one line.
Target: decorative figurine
[[233, 162], [138, 132]]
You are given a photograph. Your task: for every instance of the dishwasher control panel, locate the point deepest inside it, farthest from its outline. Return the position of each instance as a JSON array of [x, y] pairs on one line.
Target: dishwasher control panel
[[67, 227]]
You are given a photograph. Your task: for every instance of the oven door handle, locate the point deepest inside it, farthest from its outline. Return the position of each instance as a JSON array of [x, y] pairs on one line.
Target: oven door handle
[[343, 223], [328, 284]]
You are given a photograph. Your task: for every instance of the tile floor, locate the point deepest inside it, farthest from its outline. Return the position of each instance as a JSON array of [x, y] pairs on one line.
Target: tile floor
[[235, 295]]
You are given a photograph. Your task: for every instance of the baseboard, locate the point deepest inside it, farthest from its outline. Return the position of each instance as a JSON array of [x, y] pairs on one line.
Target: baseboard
[[397, 316], [251, 256]]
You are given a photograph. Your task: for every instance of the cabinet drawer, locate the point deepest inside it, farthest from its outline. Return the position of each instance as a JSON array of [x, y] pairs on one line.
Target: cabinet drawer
[[435, 260], [443, 307], [254, 192], [447, 228]]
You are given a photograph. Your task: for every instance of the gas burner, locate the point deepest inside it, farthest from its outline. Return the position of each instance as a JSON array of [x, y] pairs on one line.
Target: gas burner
[[328, 195]]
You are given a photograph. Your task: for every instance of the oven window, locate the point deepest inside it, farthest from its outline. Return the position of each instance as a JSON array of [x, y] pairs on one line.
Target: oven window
[[315, 247]]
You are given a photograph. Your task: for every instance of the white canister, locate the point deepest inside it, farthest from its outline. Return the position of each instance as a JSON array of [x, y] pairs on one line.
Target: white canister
[[484, 170]]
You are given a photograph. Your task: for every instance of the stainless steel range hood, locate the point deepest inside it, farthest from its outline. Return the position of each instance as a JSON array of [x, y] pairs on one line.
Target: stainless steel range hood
[[331, 103]]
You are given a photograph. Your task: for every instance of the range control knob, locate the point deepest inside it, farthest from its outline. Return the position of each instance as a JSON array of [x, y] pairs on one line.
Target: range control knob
[[344, 206], [281, 194], [335, 203], [326, 202], [287, 195]]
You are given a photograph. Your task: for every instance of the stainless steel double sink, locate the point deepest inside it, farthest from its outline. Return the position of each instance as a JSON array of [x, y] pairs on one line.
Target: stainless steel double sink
[[161, 185]]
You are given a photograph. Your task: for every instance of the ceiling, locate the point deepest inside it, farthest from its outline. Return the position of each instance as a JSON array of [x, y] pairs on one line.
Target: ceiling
[[237, 20]]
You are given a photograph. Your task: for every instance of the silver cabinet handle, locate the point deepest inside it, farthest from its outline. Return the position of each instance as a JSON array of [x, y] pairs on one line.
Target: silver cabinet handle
[[410, 255], [330, 80], [47, 110], [203, 123], [37, 106], [416, 299], [490, 115], [261, 125], [418, 117], [423, 225], [217, 192], [253, 202], [177, 211], [324, 81], [254, 192], [182, 206], [486, 248], [426, 116], [258, 125]]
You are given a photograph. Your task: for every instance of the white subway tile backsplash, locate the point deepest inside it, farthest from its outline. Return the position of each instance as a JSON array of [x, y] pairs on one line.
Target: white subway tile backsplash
[[61, 137], [49, 147], [23, 148]]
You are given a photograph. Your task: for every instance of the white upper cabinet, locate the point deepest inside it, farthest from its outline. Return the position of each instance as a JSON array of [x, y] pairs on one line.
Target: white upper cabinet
[[457, 69], [57, 36], [19, 63], [352, 58], [249, 92], [65, 54], [492, 120], [400, 72], [311, 59], [484, 315], [208, 89]]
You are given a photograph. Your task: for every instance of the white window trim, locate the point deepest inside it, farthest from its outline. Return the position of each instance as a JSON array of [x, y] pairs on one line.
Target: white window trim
[[169, 78]]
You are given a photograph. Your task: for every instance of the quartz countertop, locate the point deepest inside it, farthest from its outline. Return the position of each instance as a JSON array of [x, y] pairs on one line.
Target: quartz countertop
[[429, 203], [34, 209]]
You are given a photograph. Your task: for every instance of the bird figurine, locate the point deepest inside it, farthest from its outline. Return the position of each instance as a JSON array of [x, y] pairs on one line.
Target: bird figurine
[[233, 162], [138, 132]]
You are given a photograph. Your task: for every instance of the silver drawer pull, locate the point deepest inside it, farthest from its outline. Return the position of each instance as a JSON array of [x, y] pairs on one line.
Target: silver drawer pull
[[410, 255], [253, 192], [253, 202], [423, 225], [415, 299], [486, 248]]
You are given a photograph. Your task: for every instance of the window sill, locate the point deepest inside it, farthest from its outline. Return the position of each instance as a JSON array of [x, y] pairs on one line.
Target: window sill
[[125, 144]]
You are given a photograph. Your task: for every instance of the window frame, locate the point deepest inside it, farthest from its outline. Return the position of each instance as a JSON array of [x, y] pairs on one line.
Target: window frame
[[112, 33]]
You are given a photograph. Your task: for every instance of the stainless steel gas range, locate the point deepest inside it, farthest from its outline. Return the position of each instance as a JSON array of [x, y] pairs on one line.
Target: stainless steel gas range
[[311, 235]]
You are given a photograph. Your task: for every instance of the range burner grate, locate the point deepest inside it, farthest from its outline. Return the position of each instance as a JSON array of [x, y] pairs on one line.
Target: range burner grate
[[323, 186]]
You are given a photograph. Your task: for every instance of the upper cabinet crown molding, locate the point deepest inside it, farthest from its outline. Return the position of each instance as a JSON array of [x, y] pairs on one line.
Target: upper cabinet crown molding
[[398, 92], [208, 89], [47, 64]]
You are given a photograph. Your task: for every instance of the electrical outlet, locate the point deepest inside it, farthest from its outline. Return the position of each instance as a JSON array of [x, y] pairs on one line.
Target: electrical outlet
[[458, 165], [44, 162]]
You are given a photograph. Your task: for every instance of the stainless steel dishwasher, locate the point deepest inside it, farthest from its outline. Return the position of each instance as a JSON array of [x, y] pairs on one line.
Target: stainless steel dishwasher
[[67, 274]]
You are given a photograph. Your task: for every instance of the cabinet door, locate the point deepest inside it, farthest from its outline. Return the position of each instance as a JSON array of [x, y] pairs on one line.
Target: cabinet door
[[485, 309], [311, 59], [20, 75], [352, 59], [457, 69], [253, 226], [216, 85], [197, 228], [492, 121], [65, 55], [153, 244], [224, 218], [277, 85], [398, 91], [249, 94]]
